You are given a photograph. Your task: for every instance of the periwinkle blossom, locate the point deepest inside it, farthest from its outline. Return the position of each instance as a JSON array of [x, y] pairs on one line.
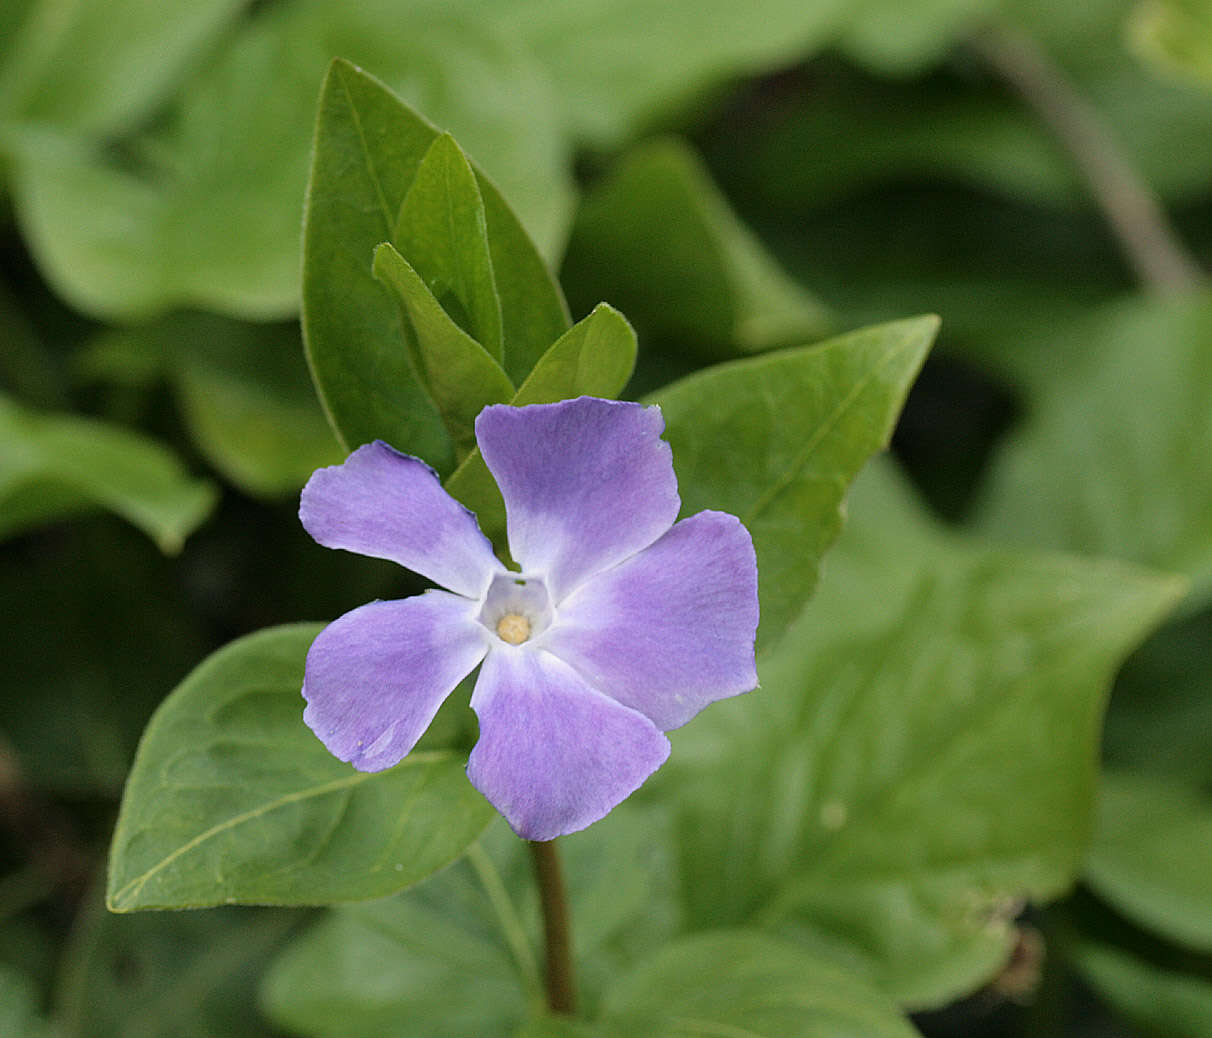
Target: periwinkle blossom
[[621, 625]]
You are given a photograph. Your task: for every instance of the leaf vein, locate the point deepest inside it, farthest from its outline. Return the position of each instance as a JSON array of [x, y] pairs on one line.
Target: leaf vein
[[384, 209], [822, 430], [133, 886]]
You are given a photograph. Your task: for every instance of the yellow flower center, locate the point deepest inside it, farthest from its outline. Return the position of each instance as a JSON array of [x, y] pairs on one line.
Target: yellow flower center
[[513, 628]]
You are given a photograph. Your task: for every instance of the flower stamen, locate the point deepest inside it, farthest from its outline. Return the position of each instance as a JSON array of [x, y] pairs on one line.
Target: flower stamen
[[513, 628]]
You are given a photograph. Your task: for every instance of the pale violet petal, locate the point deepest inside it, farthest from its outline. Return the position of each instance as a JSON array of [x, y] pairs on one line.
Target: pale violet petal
[[586, 483], [672, 628], [376, 676], [554, 755], [389, 505]]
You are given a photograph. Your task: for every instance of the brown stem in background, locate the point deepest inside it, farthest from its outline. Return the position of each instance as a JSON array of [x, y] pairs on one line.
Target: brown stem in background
[[1132, 209], [561, 988]]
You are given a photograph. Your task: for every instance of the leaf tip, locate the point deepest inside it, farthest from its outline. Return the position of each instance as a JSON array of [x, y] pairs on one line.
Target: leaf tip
[[117, 899], [383, 254]]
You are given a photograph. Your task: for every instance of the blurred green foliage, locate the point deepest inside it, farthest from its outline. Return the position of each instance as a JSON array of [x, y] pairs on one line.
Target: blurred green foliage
[[920, 767]]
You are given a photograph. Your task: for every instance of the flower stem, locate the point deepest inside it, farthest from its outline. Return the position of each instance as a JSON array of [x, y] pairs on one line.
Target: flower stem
[[561, 988], [1132, 210]]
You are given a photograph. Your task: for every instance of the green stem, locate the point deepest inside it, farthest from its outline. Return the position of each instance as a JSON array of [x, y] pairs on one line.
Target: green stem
[[561, 988], [1132, 210], [507, 917]]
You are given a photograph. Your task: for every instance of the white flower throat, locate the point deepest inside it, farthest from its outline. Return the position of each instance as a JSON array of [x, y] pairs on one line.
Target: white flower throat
[[516, 607]]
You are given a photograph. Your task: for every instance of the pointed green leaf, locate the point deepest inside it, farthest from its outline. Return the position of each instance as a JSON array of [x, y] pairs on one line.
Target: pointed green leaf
[[921, 757], [443, 232], [776, 440], [747, 983], [53, 466], [1151, 853], [232, 799], [456, 371], [368, 148], [595, 357], [703, 282]]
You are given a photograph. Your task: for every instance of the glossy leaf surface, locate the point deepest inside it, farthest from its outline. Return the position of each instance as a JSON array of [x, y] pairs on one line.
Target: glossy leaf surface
[[233, 799], [776, 440]]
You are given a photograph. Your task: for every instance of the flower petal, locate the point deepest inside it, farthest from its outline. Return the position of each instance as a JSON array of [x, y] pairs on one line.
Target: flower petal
[[375, 677], [671, 629], [555, 756], [586, 483], [389, 505]]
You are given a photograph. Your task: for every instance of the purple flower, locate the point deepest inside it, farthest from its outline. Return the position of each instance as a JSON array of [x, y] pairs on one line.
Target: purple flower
[[621, 625]]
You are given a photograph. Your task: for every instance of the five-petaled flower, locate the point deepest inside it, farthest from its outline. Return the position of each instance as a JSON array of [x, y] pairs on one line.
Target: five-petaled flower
[[621, 625]]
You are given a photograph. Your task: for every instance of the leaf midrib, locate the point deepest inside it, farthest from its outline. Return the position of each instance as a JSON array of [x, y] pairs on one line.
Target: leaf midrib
[[126, 894], [823, 428], [385, 210]]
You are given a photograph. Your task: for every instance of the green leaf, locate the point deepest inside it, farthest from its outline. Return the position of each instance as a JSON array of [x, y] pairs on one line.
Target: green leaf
[[1151, 852], [53, 466], [442, 230], [353, 331], [595, 357], [201, 208], [431, 962], [243, 391], [1176, 36], [460, 953], [459, 375], [703, 283], [776, 440], [1114, 459], [101, 44], [368, 148], [233, 799], [248, 404], [753, 984], [893, 40], [621, 65], [185, 974], [920, 758], [549, 1026], [1158, 1001]]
